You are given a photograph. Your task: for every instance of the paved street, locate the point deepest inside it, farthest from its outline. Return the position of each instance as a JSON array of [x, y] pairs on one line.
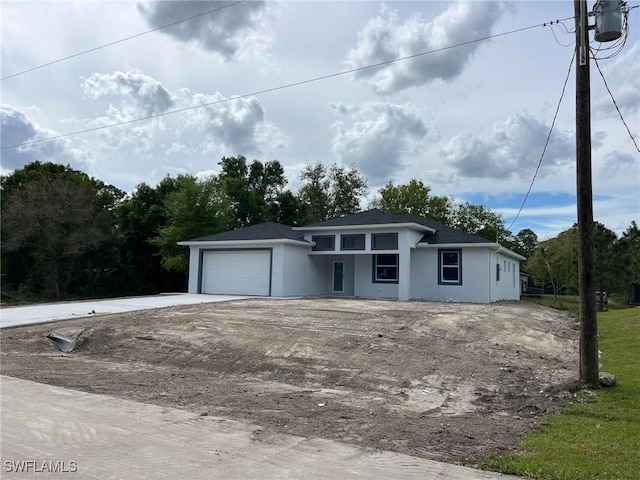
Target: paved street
[[90, 436]]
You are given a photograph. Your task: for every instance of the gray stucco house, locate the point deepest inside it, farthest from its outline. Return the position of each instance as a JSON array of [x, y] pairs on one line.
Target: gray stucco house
[[369, 254]]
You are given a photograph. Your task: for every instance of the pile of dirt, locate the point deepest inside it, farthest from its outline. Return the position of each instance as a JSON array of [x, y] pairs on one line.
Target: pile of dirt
[[437, 380]]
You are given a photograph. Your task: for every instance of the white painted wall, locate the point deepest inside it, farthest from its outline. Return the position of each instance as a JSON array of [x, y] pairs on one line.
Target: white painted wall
[[475, 277], [296, 272], [363, 280], [301, 274], [508, 287], [194, 260]]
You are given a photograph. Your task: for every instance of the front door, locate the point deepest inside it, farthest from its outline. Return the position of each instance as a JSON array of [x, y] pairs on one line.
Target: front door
[[338, 277]]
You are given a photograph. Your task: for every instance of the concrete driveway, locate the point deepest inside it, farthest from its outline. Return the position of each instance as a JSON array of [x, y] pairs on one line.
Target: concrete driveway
[[14, 316], [58, 432]]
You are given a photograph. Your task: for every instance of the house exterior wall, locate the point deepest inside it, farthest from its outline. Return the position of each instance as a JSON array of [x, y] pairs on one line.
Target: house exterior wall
[[508, 286], [302, 274], [296, 270], [425, 275], [364, 285], [194, 268], [361, 262]]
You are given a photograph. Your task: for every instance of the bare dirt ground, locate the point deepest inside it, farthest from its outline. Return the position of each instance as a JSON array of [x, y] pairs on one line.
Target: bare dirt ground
[[440, 381]]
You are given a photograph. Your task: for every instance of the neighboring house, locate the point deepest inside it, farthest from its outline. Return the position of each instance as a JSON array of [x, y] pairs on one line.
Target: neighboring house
[[370, 254]]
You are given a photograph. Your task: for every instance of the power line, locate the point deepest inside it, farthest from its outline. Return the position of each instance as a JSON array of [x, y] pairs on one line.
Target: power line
[[616, 105], [546, 144], [269, 90], [122, 40]]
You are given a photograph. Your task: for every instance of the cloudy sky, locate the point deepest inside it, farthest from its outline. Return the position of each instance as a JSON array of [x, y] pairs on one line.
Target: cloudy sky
[[470, 121]]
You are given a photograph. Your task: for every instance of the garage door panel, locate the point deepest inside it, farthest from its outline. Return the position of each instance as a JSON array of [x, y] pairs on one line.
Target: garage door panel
[[237, 272]]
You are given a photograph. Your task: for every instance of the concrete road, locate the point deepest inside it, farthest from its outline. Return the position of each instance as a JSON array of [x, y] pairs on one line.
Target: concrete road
[[70, 434], [14, 316]]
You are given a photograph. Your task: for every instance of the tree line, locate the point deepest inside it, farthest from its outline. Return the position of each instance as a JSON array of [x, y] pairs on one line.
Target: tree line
[[67, 235]]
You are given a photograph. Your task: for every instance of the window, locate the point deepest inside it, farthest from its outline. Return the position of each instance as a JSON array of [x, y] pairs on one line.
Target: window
[[450, 266], [385, 269], [324, 243], [497, 272], [384, 241], [352, 242]]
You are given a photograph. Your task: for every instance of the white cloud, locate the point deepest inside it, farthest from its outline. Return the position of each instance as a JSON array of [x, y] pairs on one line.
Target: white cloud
[[512, 149], [238, 32], [379, 136], [623, 77], [16, 128], [385, 38], [141, 95], [235, 126], [238, 124], [615, 161]]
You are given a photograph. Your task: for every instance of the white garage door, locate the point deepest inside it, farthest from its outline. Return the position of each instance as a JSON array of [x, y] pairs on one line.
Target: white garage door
[[238, 272]]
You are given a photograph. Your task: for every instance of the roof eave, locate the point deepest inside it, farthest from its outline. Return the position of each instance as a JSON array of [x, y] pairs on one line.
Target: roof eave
[[222, 243], [499, 248], [370, 226]]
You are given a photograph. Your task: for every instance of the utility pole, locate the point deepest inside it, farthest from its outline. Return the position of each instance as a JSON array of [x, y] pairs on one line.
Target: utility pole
[[586, 251]]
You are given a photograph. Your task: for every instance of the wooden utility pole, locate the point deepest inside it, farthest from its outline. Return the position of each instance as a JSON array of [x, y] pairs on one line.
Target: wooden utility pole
[[586, 251]]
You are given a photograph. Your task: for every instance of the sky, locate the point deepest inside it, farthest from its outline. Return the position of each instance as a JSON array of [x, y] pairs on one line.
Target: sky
[[470, 121]]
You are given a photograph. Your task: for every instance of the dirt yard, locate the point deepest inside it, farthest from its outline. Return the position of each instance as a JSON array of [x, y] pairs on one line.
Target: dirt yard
[[441, 381]]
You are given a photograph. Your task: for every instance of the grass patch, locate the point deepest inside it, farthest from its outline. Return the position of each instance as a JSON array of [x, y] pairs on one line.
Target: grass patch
[[597, 436], [560, 303]]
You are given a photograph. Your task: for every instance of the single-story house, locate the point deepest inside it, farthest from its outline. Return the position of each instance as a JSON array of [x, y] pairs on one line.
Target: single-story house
[[370, 254]]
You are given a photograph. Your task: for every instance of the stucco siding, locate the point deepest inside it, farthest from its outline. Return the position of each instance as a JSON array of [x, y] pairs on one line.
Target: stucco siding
[[297, 270], [364, 285], [475, 277], [508, 286], [302, 274], [194, 268]]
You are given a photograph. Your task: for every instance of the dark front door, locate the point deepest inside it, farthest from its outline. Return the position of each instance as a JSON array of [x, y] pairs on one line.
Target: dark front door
[[338, 277]]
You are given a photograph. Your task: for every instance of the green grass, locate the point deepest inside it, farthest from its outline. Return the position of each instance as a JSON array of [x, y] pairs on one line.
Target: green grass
[[595, 436], [561, 303]]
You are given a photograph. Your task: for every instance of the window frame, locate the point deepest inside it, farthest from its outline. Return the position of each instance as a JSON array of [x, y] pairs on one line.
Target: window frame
[[315, 248], [376, 265], [374, 236], [353, 235], [442, 265]]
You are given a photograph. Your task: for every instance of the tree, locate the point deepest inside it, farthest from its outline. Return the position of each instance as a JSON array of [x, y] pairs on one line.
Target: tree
[[555, 262], [195, 209], [479, 220], [252, 190], [606, 269], [626, 261], [285, 209], [526, 242], [328, 193], [58, 232], [315, 194], [141, 216], [413, 198]]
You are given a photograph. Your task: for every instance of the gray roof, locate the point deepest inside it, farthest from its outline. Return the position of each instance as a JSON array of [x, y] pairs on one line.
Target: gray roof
[[277, 231], [262, 231], [443, 234]]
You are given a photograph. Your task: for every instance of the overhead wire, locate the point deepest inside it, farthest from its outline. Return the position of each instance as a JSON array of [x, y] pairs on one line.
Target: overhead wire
[[274, 89], [546, 144], [616, 105], [208, 12], [570, 44]]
